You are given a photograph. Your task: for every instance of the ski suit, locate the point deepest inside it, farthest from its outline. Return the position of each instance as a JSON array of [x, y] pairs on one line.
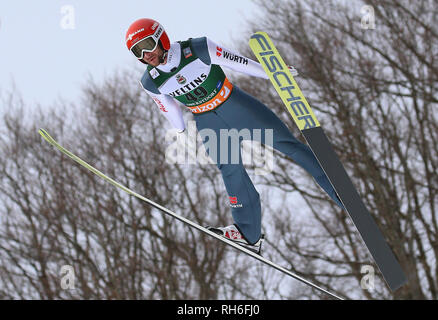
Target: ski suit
[[193, 76]]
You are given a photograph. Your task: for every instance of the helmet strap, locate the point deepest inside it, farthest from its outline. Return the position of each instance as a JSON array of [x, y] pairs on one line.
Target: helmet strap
[[163, 57]]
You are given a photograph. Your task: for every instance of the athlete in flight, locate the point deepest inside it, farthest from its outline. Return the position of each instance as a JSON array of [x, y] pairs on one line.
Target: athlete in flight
[[190, 72]]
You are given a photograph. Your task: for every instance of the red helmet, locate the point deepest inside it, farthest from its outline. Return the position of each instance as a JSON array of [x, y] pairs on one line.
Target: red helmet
[[143, 35]]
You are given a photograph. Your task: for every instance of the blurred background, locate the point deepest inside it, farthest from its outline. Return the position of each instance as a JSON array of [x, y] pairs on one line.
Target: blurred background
[[368, 68]]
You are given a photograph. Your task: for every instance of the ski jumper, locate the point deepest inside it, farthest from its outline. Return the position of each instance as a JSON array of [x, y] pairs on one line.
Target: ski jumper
[[193, 76]]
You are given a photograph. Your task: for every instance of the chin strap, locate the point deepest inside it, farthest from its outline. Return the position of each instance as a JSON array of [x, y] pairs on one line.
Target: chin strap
[[163, 57]]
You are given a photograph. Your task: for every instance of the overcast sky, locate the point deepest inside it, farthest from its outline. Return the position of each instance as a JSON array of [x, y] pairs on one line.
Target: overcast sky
[[48, 54]]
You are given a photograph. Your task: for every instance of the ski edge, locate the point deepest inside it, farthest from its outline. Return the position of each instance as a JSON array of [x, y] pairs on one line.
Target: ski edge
[[383, 255]]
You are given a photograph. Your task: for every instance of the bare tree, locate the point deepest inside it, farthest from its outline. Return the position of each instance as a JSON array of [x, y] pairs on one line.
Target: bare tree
[[56, 213], [374, 91]]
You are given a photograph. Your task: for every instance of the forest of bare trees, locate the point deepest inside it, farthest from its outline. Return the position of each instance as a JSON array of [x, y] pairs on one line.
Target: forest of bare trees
[[373, 90]]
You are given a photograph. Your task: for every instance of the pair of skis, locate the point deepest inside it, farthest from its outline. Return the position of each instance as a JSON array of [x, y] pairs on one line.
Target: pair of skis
[[301, 112], [54, 143]]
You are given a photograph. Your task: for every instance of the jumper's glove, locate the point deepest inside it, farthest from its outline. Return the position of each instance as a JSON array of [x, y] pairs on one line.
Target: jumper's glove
[[293, 71]]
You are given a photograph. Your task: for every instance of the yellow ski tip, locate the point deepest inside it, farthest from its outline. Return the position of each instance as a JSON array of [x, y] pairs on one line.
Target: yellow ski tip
[[46, 135], [43, 132]]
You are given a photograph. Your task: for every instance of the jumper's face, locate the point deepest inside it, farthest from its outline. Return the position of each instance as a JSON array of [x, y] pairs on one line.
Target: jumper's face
[[153, 58]]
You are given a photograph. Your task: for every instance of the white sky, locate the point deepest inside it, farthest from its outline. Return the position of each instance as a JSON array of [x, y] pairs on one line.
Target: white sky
[[46, 61]]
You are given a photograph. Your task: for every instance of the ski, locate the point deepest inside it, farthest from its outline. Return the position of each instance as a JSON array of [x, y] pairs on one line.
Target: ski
[[318, 142], [188, 222]]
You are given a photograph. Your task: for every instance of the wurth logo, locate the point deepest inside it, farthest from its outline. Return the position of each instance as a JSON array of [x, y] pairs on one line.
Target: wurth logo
[[235, 57], [230, 56], [233, 200]]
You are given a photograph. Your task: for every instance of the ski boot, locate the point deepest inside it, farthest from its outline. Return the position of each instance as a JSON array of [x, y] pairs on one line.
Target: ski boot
[[232, 233]]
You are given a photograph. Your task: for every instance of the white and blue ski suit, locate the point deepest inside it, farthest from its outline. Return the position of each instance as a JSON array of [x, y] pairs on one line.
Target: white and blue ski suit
[[193, 76]]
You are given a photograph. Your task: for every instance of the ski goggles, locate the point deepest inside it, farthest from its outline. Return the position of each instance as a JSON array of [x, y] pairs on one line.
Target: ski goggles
[[147, 44]]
